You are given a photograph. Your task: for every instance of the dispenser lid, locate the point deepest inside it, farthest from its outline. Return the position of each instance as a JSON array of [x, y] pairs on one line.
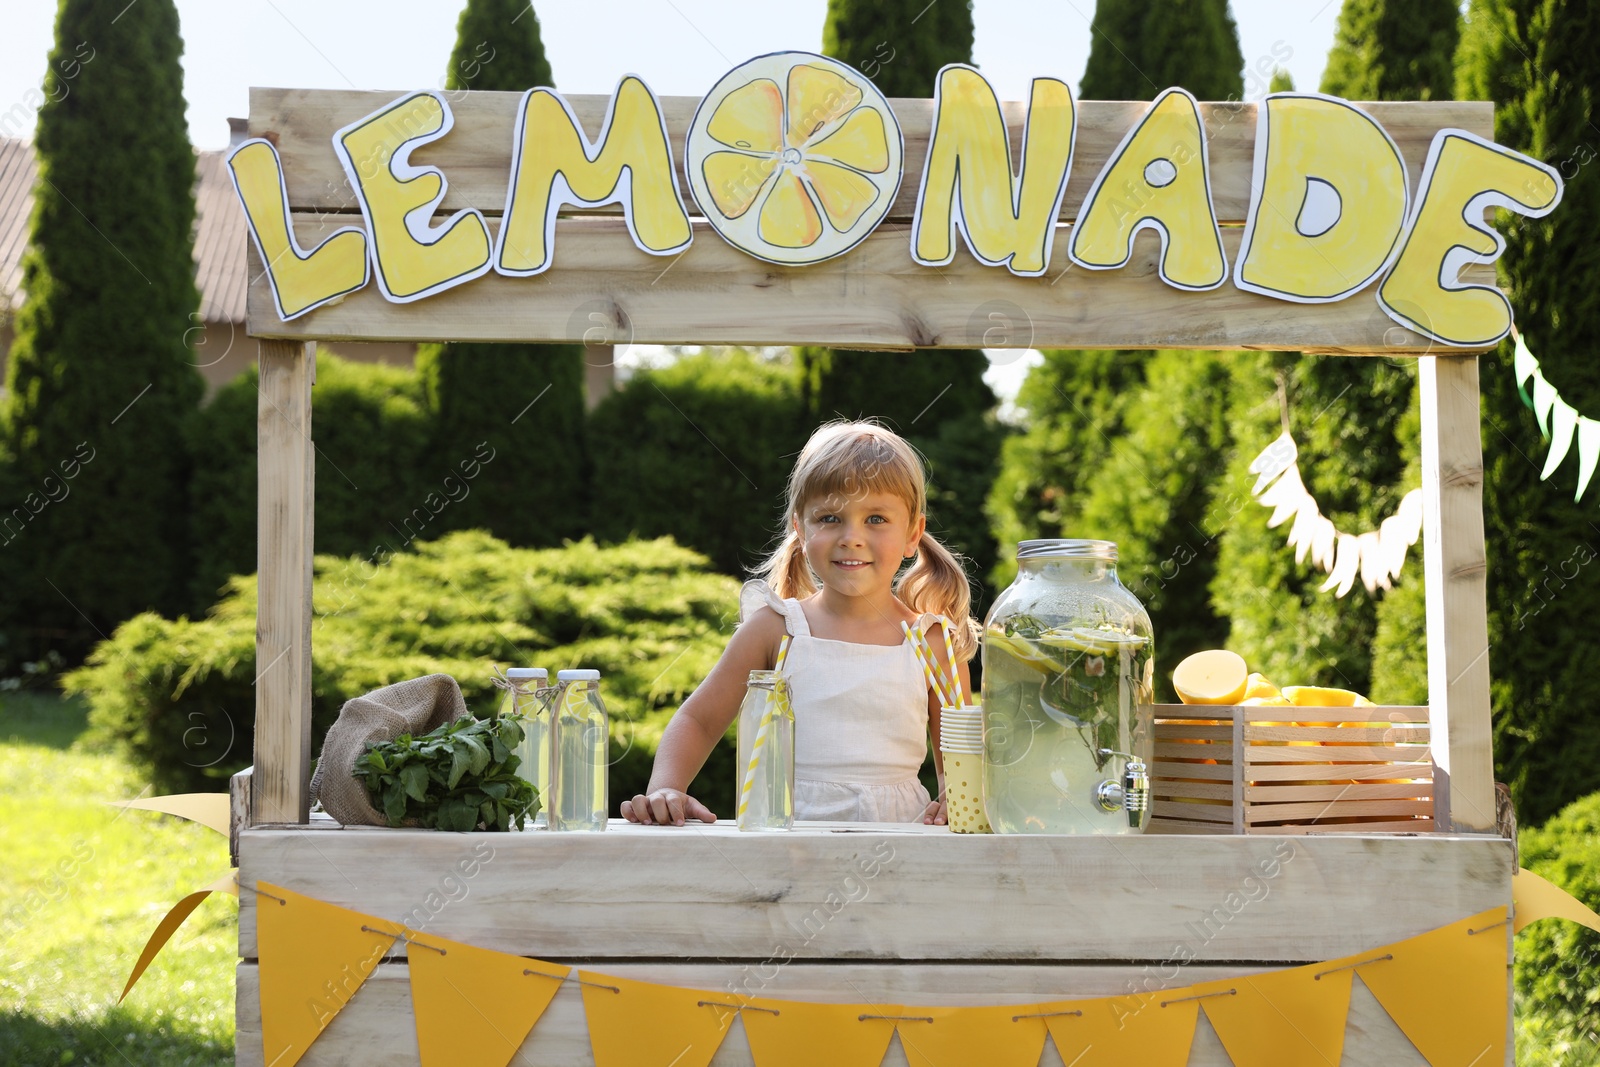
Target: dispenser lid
[[583, 675], [526, 674], [1067, 548]]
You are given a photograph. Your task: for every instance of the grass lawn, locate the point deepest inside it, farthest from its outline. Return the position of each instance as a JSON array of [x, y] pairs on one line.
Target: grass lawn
[[82, 887]]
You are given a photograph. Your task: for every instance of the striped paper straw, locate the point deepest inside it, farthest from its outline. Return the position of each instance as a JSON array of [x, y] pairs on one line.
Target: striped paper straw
[[774, 704], [920, 649], [950, 658]]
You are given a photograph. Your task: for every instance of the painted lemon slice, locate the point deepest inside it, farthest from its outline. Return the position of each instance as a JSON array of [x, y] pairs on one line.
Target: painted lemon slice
[[794, 158]]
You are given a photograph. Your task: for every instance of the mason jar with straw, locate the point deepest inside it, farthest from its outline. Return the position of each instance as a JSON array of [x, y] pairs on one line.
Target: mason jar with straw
[[766, 751]]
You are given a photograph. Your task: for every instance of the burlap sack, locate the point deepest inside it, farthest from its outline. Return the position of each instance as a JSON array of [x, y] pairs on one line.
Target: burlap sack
[[410, 707]]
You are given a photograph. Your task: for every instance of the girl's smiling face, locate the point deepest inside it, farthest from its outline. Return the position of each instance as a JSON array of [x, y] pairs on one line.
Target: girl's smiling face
[[855, 544]]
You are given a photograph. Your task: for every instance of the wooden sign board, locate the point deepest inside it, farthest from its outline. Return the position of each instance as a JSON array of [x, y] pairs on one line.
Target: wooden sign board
[[602, 289]]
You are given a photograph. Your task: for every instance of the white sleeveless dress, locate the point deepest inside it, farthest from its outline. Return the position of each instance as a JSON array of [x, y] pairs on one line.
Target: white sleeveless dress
[[860, 721]]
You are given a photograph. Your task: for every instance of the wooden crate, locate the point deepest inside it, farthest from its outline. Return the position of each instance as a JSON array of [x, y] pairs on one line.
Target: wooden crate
[[1252, 770]]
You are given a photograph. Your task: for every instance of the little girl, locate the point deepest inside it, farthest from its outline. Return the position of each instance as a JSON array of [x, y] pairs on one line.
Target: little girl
[[863, 709]]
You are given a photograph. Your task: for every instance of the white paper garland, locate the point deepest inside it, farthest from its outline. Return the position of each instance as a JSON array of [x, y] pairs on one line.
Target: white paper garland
[[1376, 556], [1558, 421]]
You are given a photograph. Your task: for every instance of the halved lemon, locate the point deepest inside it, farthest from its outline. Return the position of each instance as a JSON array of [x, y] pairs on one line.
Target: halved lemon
[[794, 158]]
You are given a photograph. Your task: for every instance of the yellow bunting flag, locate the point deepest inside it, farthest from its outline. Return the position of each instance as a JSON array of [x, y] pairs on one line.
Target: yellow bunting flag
[[475, 1006], [1447, 989], [1536, 898], [314, 956], [1289, 1018], [207, 809], [168, 926], [1006, 1036], [785, 1033], [640, 1024], [1150, 1029]]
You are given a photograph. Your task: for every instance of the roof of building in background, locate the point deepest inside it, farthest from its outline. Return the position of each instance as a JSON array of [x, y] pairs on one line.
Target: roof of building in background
[[219, 243]]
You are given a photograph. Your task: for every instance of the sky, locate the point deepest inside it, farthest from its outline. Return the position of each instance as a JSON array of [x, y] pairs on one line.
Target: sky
[[679, 47]]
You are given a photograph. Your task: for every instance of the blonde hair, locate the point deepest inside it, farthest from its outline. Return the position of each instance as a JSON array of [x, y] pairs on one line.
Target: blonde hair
[[845, 460]]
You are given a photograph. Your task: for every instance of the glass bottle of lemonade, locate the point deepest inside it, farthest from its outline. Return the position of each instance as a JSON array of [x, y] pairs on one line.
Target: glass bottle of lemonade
[[1068, 696], [527, 696], [579, 741]]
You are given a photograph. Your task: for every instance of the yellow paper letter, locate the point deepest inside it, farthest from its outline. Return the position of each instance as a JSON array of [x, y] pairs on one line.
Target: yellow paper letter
[[300, 280], [1159, 177], [1007, 220], [1464, 176], [553, 163], [412, 256], [1328, 201]]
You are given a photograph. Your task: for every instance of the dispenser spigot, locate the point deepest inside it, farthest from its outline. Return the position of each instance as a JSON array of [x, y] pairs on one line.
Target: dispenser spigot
[[1132, 794]]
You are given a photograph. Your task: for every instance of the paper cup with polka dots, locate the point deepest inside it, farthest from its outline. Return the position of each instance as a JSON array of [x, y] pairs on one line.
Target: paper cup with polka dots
[[961, 741]]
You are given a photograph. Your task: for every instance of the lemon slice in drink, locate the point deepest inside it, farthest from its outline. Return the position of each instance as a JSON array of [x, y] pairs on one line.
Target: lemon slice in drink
[[794, 157]]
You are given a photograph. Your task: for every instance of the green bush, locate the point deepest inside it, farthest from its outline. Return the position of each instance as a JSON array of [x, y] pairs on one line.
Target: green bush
[[180, 694], [1558, 962], [699, 451], [377, 486]]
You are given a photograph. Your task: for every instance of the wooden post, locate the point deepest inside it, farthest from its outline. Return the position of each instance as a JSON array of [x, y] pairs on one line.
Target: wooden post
[[1458, 621], [281, 785]]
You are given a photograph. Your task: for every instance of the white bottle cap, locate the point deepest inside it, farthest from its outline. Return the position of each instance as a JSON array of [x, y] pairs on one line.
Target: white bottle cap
[[585, 675], [524, 674]]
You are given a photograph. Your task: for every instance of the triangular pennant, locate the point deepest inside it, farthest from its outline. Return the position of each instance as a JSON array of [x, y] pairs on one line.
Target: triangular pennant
[[640, 1024], [474, 1006], [314, 957], [786, 1033], [1524, 366], [1538, 898], [1150, 1029], [1305, 522], [1007, 1036], [1374, 568], [1447, 990], [1291, 1018], [207, 809], [1563, 424], [1285, 497], [172, 920], [1588, 452], [1392, 533], [1323, 539], [1344, 572], [1544, 397]]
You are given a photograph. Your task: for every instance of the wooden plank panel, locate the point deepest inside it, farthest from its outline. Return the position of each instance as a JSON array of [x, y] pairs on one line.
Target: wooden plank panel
[[1166, 769], [1296, 772], [1455, 567], [1326, 753], [1336, 809], [476, 155], [376, 1028], [708, 891], [281, 783], [1407, 827], [1267, 794], [1167, 731], [1203, 790], [875, 297], [1340, 735]]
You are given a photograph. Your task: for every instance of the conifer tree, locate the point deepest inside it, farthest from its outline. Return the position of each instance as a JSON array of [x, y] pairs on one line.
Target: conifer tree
[[937, 399], [1388, 51], [1540, 62], [1140, 48], [533, 492], [101, 381], [1282, 81]]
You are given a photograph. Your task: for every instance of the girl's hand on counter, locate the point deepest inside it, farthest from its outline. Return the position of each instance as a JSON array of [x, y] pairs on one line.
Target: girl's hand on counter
[[665, 807], [935, 815]]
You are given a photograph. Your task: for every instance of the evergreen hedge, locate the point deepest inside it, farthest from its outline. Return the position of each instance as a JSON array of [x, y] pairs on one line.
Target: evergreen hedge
[[1557, 963], [101, 380], [179, 694], [700, 451]]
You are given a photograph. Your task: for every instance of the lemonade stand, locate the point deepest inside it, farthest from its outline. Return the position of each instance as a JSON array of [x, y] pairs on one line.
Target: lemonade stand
[[794, 205]]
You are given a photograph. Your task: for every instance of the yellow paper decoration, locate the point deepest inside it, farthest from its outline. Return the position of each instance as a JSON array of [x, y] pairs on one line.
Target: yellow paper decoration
[[785, 1033], [474, 1006], [1152, 1030], [174, 918], [1289, 1018], [208, 809], [1447, 989], [314, 957], [1006, 1036], [641, 1024], [1537, 898]]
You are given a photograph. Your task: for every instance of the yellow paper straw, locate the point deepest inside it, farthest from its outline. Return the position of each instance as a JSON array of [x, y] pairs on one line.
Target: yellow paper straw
[[949, 694], [950, 657], [774, 704], [920, 650]]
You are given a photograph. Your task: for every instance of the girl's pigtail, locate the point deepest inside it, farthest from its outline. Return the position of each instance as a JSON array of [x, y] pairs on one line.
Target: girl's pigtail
[[937, 584], [787, 571]]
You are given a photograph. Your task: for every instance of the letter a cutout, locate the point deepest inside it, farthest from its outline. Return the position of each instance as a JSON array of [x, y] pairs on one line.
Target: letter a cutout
[[1158, 178]]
